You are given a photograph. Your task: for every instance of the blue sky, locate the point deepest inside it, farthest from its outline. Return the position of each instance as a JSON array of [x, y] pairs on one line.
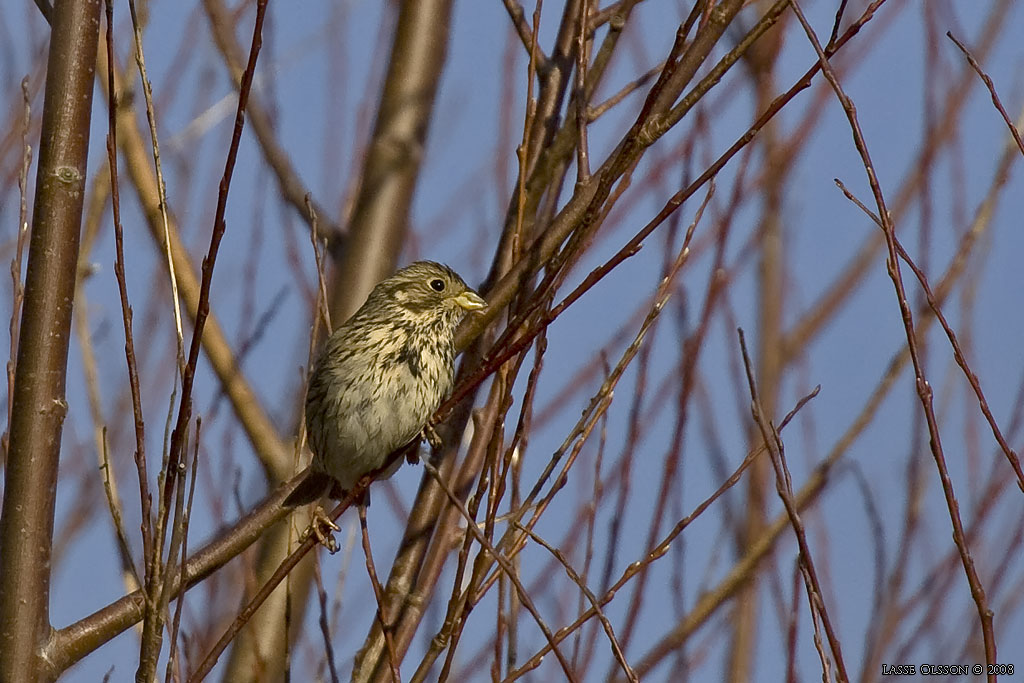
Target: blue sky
[[320, 68]]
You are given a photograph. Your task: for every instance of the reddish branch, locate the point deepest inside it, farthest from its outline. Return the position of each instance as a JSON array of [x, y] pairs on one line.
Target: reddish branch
[[924, 389], [992, 91]]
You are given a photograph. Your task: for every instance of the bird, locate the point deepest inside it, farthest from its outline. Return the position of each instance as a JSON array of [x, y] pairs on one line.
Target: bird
[[380, 377]]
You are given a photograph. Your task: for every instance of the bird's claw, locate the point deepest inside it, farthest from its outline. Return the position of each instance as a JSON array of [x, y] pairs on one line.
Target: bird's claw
[[321, 528], [431, 436]]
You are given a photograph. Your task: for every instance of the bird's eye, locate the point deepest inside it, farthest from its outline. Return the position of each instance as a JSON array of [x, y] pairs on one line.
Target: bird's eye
[[437, 285]]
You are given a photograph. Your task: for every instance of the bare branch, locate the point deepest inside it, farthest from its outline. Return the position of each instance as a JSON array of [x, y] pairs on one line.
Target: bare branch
[[923, 387], [39, 406], [992, 91]]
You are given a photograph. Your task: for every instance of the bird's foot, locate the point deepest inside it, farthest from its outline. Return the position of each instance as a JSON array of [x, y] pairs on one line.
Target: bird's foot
[[321, 528], [431, 436]]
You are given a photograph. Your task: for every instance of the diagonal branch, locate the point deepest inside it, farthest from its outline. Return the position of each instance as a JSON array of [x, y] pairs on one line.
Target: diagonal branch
[[987, 80]]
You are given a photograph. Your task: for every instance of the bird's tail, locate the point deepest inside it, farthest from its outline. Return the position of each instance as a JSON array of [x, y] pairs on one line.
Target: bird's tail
[[314, 486]]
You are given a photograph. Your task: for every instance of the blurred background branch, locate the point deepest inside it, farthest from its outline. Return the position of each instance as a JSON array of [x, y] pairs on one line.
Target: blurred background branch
[[603, 487]]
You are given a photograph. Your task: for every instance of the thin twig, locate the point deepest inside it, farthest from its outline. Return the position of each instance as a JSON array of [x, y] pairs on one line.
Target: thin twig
[[991, 89], [784, 487], [480, 450], [378, 594], [147, 90], [924, 389], [958, 354], [148, 550], [595, 112], [527, 36], [17, 288], [659, 550], [591, 598], [661, 296], [322, 309], [829, 301], [152, 625], [691, 351], [259, 428], [183, 556], [513, 543], [325, 626], [505, 565], [522, 150], [219, 226], [580, 96], [840, 11], [109, 488], [307, 544], [286, 566]]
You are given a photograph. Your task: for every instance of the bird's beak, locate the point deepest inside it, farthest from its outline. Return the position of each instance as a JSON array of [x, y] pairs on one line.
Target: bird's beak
[[471, 301]]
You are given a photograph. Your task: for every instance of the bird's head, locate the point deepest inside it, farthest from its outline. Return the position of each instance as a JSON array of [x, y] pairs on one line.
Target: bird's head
[[428, 290]]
